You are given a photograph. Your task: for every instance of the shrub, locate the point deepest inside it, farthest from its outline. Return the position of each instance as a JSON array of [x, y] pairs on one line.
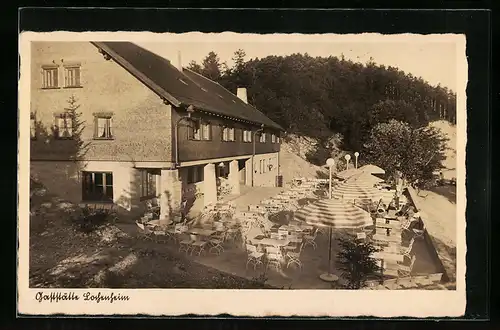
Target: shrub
[[88, 220], [355, 261]]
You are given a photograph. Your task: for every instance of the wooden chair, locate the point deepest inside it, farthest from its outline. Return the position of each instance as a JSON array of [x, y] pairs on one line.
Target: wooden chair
[[144, 232], [197, 245], [294, 257], [407, 270], [310, 239], [160, 235], [254, 257], [185, 245], [274, 258], [436, 278], [274, 235], [407, 252], [361, 236], [216, 243]]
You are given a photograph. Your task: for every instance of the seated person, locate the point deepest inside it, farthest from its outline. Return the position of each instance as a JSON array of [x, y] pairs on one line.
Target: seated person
[[184, 210], [418, 224]]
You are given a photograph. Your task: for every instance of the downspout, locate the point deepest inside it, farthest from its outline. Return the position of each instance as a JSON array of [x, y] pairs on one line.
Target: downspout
[[190, 110], [253, 151]]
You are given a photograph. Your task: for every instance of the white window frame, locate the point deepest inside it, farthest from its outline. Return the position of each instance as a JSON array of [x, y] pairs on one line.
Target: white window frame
[[50, 76], [205, 131], [262, 138], [273, 138], [196, 135], [64, 125], [228, 134], [105, 121], [75, 78]]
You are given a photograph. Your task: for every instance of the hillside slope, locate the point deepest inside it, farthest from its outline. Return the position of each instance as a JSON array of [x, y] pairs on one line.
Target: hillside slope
[[439, 205], [451, 154], [293, 162]]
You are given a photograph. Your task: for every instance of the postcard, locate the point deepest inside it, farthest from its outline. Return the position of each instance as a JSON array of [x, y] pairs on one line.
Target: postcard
[[242, 174]]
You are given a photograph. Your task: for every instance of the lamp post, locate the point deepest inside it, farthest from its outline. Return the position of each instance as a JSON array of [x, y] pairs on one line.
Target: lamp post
[[330, 162], [253, 150], [329, 277], [190, 111], [356, 155], [347, 158]]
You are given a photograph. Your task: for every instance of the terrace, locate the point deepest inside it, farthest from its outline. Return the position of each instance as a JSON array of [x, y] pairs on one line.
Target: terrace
[[232, 235]]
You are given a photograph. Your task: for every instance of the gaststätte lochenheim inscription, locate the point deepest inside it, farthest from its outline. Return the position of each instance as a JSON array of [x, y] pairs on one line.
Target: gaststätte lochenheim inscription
[[55, 297]]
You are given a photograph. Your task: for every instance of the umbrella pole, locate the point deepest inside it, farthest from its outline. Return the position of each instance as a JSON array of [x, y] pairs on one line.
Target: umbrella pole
[[329, 277], [330, 252]]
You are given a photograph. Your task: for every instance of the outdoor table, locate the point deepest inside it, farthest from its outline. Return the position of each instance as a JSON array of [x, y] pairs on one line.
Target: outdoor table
[[391, 249], [274, 242], [201, 231], [295, 240], [387, 226], [388, 256], [385, 238], [153, 223]]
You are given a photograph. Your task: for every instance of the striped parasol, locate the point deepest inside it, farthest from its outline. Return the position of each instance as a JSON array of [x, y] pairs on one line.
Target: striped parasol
[[367, 179], [334, 213], [352, 172], [346, 174], [372, 169], [353, 190]]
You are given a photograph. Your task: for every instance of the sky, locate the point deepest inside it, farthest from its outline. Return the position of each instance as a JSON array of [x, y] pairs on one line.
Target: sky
[[433, 59]]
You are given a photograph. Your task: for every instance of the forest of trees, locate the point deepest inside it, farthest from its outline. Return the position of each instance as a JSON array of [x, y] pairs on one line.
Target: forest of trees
[[318, 96]]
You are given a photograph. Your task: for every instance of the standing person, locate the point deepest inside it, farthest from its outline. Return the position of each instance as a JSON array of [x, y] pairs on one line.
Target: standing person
[[183, 210]]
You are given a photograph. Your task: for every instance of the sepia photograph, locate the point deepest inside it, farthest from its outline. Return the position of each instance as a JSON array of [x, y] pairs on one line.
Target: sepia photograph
[[231, 163]]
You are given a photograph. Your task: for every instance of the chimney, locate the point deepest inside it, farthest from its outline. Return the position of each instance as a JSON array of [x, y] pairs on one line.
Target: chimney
[[179, 61], [242, 94]]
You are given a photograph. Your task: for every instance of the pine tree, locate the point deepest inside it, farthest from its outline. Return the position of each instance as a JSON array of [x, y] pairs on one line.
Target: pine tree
[[78, 125], [211, 67], [355, 261]]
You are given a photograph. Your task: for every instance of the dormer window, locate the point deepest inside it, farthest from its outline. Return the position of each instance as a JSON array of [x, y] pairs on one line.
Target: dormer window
[[63, 126], [273, 138], [103, 129], [262, 138]]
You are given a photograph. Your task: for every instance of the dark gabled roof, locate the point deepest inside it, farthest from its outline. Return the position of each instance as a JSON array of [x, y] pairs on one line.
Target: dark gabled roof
[[232, 101], [181, 88]]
